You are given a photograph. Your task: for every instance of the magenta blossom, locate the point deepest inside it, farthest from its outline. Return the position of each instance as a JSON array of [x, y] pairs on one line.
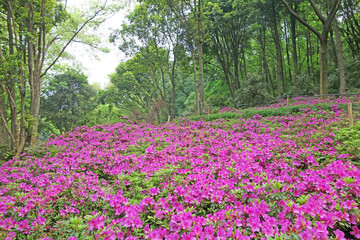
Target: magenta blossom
[[355, 231], [39, 220], [96, 223], [153, 191]]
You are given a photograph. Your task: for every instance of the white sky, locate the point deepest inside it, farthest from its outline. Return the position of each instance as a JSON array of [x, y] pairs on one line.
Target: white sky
[[98, 67]]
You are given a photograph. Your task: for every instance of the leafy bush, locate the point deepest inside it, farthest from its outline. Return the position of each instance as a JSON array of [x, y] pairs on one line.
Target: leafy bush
[[306, 84], [352, 69], [265, 112], [42, 151], [216, 116], [350, 139], [258, 178], [252, 90], [217, 94], [5, 153]]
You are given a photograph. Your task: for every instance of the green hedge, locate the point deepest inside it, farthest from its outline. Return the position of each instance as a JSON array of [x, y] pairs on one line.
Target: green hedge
[[350, 142], [264, 112]]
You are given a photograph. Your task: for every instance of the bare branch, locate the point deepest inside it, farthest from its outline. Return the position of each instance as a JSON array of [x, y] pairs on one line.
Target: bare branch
[[318, 13], [7, 128], [51, 42], [72, 38], [88, 44], [333, 11], [311, 28]]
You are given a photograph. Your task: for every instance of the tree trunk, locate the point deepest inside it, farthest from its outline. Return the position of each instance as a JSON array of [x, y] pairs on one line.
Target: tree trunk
[[201, 66], [287, 40], [264, 64], [195, 80], [173, 84], [308, 53], [294, 52], [279, 72], [35, 110], [244, 63], [340, 58], [4, 136], [323, 68], [201, 77], [236, 69], [163, 80], [322, 37], [333, 49]]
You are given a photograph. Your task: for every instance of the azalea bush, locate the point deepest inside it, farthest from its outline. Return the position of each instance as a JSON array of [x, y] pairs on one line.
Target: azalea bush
[[274, 177], [350, 142]]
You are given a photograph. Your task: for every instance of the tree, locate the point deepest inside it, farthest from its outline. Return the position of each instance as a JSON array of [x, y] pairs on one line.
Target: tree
[[340, 58], [322, 36], [231, 27], [68, 100], [153, 25], [198, 11], [351, 17], [184, 14], [140, 83], [30, 34]]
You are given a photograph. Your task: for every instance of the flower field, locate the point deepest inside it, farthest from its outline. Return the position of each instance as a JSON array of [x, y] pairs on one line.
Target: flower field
[[275, 177]]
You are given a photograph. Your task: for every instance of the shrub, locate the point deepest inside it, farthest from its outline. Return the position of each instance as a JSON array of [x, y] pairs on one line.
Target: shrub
[[5, 153], [252, 90], [350, 139]]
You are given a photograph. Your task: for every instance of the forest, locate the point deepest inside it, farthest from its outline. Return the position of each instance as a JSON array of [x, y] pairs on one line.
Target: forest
[[227, 120], [183, 58]]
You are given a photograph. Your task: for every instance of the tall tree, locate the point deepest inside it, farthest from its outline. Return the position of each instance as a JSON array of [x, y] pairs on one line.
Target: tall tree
[[294, 5], [198, 11], [340, 57], [30, 34], [230, 24], [279, 57], [183, 12], [153, 23], [351, 28], [322, 36], [67, 100], [139, 83]]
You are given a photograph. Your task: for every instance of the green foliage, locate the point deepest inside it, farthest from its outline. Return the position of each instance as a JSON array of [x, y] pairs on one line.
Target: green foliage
[[350, 141], [252, 90], [68, 100], [141, 85], [217, 94], [284, 236], [263, 112], [216, 117], [5, 153], [41, 151], [306, 84], [104, 114], [352, 66], [281, 111]]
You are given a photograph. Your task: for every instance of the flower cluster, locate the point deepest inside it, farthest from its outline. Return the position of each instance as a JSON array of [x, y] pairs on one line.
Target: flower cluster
[[245, 179]]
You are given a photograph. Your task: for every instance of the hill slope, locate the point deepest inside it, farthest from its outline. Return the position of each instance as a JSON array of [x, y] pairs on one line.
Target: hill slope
[[245, 178]]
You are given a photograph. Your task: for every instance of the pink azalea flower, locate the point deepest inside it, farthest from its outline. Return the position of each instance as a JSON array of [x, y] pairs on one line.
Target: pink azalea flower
[[153, 191], [93, 197], [10, 236], [39, 220], [355, 231], [339, 235], [96, 223]]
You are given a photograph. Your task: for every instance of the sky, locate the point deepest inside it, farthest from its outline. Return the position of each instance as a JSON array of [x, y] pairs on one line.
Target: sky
[[98, 67]]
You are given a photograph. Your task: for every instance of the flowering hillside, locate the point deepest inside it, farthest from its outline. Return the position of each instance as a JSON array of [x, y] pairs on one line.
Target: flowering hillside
[[254, 178]]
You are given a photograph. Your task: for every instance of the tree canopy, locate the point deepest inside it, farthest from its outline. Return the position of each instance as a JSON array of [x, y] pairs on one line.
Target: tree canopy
[[183, 58]]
